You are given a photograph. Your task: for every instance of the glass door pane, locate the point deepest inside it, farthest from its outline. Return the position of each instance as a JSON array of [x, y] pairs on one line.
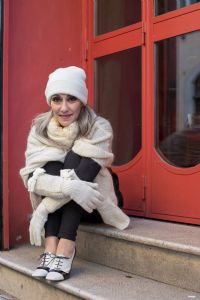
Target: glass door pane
[[118, 98], [177, 135], [164, 6], [113, 14]]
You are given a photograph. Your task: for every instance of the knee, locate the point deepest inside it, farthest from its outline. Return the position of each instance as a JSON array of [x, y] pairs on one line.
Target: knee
[[72, 160], [53, 167]]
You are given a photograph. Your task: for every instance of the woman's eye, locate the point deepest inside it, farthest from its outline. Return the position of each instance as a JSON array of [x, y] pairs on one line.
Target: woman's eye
[[72, 98], [56, 99]]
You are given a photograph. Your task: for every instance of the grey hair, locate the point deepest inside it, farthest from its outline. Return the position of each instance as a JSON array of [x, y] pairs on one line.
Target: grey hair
[[85, 121]]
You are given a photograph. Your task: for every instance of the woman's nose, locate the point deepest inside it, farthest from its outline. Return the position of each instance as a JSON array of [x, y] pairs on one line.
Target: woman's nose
[[64, 106]]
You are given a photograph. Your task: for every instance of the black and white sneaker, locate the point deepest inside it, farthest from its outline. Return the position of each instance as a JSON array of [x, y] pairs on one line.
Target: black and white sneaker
[[60, 268], [44, 266]]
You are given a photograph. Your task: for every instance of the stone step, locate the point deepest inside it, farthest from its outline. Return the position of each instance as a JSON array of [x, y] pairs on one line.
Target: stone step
[[5, 296], [88, 281], [162, 251]]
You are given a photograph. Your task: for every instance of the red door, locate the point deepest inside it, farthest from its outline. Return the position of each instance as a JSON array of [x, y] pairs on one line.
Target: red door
[[115, 58], [143, 76], [174, 137]]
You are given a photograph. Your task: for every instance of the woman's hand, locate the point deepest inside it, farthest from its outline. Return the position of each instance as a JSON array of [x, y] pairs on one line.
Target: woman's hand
[[83, 193], [38, 220]]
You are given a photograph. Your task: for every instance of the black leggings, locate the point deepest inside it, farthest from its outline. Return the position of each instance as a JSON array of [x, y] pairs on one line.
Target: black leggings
[[64, 222]]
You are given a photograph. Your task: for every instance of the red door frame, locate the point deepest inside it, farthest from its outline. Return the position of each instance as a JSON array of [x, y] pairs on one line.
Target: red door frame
[[122, 39], [145, 33], [118, 40], [115, 41], [5, 189]]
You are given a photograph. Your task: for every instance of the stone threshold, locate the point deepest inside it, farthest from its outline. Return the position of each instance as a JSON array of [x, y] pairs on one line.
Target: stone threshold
[[168, 235]]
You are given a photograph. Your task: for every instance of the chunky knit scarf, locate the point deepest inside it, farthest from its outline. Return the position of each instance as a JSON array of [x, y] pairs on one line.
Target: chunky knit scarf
[[40, 150], [62, 136], [97, 145]]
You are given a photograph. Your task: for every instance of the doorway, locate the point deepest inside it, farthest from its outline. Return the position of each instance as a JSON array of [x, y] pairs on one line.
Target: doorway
[[144, 77]]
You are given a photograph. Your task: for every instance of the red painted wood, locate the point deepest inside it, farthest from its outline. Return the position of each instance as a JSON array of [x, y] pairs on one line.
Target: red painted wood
[[131, 184], [131, 174], [90, 52], [148, 107], [43, 35], [5, 187], [118, 43], [177, 25], [84, 34], [176, 13], [117, 32], [171, 193]]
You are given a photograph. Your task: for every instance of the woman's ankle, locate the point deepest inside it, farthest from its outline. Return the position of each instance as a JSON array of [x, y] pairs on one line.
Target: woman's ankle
[[51, 244], [65, 247]]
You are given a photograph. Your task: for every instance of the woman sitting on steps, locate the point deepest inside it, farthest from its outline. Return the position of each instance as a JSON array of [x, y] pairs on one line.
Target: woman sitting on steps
[[67, 173]]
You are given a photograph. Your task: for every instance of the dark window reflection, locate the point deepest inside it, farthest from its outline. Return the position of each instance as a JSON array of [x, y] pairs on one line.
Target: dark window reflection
[[164, 6], [177, 134], [113, 14], [118, 98]]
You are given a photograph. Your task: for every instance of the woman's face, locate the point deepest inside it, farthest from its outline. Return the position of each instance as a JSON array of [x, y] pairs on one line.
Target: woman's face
[[66, 108]]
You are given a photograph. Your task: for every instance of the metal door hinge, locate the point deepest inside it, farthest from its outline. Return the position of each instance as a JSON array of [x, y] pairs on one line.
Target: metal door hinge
[[144, 30], [86, 51], [144, 187]]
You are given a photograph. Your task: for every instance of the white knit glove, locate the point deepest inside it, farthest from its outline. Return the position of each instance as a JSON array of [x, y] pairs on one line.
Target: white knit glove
[[109, 211], [69, 174], [83, 197], [82, 192], [38, 220]]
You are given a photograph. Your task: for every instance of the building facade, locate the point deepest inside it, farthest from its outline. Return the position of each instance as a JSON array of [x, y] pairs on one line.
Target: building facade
[[143, 69]]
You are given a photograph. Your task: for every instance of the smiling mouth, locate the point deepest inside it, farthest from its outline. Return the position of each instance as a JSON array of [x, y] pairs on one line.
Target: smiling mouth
[[65, 116]]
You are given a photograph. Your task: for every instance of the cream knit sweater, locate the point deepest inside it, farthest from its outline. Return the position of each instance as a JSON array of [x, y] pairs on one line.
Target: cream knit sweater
[[97, 145]]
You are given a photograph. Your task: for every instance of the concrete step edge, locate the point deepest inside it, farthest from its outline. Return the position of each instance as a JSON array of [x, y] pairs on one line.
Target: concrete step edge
[[69, 289], [104, 280], [131, 237], [145, 255]]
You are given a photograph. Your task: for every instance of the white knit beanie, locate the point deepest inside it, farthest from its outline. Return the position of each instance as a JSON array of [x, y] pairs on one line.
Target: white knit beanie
[[70, 80]]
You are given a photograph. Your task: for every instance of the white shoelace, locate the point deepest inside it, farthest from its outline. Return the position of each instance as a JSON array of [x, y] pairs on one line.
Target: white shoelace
[[46, 259], [58, 262]]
